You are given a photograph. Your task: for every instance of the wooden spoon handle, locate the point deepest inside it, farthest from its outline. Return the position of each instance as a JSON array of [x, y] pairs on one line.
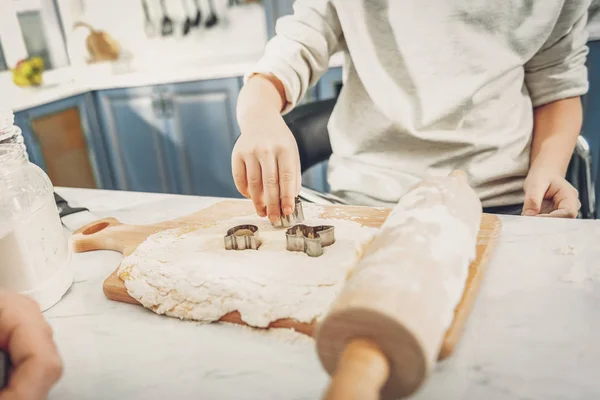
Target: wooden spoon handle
[[361, 372]]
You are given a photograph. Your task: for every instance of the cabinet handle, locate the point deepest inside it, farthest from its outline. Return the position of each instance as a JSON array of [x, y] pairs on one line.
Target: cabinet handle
[[157, 106], [167, 106]]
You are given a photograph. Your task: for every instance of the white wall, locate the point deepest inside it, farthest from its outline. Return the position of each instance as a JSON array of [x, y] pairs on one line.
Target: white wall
[[12, 43], [241, 31]]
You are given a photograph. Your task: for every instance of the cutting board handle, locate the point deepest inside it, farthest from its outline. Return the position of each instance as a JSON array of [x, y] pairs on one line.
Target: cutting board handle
[[98, 235]]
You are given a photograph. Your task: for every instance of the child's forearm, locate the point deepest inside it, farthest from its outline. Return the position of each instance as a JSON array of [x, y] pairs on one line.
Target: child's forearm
[[556, 128], [260, 94]]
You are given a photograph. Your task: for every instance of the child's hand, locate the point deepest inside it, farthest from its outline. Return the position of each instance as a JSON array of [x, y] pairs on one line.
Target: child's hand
[[266, 164], [27, 337], [548, 195]]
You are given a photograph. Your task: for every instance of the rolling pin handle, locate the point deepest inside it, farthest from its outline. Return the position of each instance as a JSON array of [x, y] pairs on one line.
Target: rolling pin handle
[[361, 372]]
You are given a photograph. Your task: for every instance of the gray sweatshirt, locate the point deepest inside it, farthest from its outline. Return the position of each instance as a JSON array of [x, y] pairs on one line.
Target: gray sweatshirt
[[432, 86]]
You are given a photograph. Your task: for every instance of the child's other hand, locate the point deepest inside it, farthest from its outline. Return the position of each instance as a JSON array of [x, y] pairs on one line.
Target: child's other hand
[[550, 195], [27, 337], [266, 164]]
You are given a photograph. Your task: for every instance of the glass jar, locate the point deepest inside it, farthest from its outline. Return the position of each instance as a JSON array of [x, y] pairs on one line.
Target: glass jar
[[35, 259], [10, 133]]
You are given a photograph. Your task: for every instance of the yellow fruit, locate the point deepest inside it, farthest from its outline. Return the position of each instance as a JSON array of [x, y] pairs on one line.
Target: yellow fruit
[[25, 69], [21, 80], [37, 62], [36, 79], [28, 72]]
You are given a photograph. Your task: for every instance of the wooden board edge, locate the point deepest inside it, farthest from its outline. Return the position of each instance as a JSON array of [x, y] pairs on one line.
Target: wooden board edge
[[467, 301]]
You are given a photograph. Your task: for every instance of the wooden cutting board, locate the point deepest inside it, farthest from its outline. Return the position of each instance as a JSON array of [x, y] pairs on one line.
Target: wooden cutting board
[[110, 234]]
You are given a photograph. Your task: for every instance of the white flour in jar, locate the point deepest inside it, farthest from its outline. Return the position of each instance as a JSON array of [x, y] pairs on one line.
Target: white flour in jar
[[32, 249]]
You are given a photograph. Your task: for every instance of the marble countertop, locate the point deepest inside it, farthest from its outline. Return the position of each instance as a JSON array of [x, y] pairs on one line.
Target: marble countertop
[[533, 333], [77, 80]]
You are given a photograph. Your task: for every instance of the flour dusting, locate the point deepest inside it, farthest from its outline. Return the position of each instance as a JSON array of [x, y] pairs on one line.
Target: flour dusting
[[579, 272], [568, 250], [187, 273], [288, 336], [576, 274]]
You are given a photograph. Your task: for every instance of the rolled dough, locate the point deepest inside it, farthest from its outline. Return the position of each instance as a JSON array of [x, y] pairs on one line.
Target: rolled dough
[[187, 273]]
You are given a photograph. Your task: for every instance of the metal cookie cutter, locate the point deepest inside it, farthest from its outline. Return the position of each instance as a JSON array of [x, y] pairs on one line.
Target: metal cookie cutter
[[295, 217], [242, 237], [309, 239]]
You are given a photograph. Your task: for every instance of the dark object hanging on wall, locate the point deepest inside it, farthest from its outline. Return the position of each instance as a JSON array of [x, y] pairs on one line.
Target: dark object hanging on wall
[[187, 23], [167, 23], [149, 27], [212, 17], [198, 17]]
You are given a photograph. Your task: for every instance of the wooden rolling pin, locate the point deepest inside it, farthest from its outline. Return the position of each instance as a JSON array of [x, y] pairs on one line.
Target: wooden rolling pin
[[383, 333]]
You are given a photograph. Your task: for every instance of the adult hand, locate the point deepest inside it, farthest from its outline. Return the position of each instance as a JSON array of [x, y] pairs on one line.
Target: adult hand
[[27, 337], [265, 159], [548, 195]]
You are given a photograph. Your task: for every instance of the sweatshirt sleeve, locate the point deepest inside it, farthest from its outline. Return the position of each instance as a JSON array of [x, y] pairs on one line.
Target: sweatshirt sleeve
[[299, 53], [558, 71]]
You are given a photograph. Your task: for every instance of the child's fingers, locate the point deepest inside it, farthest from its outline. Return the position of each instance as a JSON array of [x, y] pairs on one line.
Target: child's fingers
[[270, 177], [298, 175], [566, 202], [534, 196], [28, 338], [238, 167], [255, 184], [33, 377], [287, 181]]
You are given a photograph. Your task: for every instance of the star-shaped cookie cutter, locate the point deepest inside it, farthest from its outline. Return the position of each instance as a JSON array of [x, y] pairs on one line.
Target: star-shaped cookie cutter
[[310, 239], [295, 217], [242, 237]]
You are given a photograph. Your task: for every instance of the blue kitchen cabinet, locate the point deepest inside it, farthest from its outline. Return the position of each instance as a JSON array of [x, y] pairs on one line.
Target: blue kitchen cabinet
[[330, 84], [275, 9], [64, 139], [173, 138], [591, 114], [178, 138], [135, 130], [202, 130]]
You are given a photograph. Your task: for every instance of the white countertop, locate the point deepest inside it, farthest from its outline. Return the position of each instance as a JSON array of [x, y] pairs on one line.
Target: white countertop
[[77, 80], [533, 333]]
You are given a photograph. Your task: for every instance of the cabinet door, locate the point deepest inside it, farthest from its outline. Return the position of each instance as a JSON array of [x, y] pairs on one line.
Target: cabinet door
[[63, 138], [275, 9], [591, 118], [202, 132], [135, 132]]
